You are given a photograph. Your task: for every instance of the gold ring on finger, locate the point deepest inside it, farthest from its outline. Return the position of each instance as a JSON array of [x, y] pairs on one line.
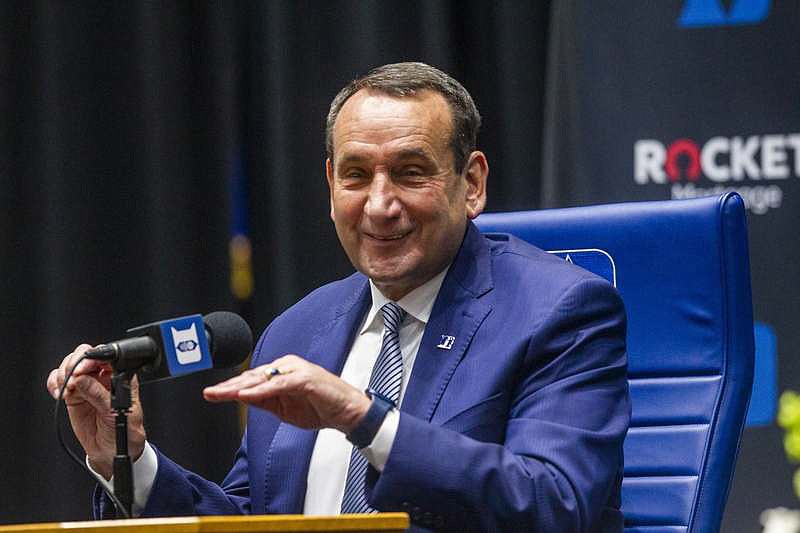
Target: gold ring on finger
[[270, 372]]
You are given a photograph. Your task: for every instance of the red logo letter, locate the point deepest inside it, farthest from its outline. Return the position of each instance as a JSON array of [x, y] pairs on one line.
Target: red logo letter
[[688, 148]]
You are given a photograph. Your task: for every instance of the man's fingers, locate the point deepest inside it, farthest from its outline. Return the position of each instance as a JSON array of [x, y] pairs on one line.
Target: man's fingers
[[87, 367], [104, 377], [52, 383], [284, 383], [229, 389], [251, 380], [69, 361], [243, 380], [93, 392]]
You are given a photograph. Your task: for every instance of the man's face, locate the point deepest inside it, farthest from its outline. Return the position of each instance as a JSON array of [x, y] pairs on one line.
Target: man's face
[[399, 207]]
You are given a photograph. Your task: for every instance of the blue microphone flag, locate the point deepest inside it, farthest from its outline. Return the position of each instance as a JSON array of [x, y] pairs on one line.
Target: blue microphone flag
[[185, 345]]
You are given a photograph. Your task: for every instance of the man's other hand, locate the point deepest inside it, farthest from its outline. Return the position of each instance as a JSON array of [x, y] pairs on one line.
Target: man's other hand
[[298, 392]]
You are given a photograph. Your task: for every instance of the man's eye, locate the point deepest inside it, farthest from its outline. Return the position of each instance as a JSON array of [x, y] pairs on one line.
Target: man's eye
[[412, 172], [354, 174]]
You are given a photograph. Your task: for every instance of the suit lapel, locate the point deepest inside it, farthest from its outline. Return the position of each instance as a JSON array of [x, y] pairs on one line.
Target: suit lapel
[[458, 313], [289, 455]]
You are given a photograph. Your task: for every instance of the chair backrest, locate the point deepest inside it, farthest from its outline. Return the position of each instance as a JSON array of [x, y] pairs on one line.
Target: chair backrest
[[683, 271]]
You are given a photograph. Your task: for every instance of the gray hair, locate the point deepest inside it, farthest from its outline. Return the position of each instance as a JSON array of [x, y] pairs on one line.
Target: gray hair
[[407, 79]]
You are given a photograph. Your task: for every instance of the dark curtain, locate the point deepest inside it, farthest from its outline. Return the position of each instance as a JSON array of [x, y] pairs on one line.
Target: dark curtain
[[120, 126]]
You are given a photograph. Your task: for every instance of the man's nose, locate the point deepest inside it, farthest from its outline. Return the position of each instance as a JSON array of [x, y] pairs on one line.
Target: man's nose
[[383, 200]]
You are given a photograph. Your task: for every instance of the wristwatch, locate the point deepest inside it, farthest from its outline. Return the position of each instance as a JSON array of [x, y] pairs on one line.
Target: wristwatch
[[365, 431]]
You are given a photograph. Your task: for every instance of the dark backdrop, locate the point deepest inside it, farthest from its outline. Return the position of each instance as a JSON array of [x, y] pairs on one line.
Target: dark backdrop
[[121, 125]]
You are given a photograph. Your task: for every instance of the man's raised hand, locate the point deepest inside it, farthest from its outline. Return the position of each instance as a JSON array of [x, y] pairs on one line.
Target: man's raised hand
[[88, 401]]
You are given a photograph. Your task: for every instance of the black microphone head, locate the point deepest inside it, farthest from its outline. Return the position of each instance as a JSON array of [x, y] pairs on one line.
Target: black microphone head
[[230, 337]]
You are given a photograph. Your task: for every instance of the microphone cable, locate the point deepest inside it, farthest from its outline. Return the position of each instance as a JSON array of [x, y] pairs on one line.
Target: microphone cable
[[72, 454]]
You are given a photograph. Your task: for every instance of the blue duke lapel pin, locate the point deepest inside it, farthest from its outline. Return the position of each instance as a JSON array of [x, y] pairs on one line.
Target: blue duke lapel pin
[[447, 342]]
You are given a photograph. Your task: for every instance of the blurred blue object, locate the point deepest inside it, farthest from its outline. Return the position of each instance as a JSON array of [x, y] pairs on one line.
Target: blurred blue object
[[710, 13], [764, 398]]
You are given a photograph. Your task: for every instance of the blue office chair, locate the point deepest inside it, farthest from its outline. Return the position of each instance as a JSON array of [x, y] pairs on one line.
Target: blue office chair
[[683, 272]]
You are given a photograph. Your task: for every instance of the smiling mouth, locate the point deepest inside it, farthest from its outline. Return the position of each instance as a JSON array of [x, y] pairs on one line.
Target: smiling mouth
[[387, 238]]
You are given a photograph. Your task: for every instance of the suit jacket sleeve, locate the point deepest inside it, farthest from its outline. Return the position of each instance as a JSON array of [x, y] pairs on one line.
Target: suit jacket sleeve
[[558, 465], [179, 492]]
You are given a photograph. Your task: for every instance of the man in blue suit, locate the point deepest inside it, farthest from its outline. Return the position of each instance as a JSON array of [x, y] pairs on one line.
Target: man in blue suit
[[495, 374]]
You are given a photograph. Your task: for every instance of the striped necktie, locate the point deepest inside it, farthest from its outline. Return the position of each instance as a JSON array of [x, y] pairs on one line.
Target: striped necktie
[[386, 378]]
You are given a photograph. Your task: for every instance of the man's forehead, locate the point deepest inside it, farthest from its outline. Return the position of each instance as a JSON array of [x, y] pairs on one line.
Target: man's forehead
[[369, 104], [374, 114], [401, 153]]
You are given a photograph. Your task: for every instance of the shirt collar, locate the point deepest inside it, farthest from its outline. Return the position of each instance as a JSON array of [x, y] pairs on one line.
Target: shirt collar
[[417, 303]]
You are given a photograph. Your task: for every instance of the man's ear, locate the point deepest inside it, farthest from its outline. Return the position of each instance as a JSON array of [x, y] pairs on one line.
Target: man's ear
[[475, 173], [329, 175]]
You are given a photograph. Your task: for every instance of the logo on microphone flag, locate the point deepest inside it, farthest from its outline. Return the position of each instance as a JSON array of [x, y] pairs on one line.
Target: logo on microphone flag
[[186, 345]]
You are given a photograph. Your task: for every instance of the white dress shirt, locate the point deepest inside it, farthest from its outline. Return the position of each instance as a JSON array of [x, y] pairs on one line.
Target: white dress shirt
[[331, 456], [330, 459]]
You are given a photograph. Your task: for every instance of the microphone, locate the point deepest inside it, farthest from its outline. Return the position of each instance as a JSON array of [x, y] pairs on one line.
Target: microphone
[[179, 346]]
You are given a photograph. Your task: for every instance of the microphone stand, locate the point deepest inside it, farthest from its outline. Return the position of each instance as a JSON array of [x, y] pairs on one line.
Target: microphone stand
[[123, 469]]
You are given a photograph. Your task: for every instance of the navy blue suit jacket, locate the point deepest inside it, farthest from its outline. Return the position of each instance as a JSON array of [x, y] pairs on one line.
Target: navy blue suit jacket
[[519, 426]]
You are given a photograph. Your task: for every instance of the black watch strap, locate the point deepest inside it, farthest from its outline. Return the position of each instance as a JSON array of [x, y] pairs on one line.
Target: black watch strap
[[365, 431]]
